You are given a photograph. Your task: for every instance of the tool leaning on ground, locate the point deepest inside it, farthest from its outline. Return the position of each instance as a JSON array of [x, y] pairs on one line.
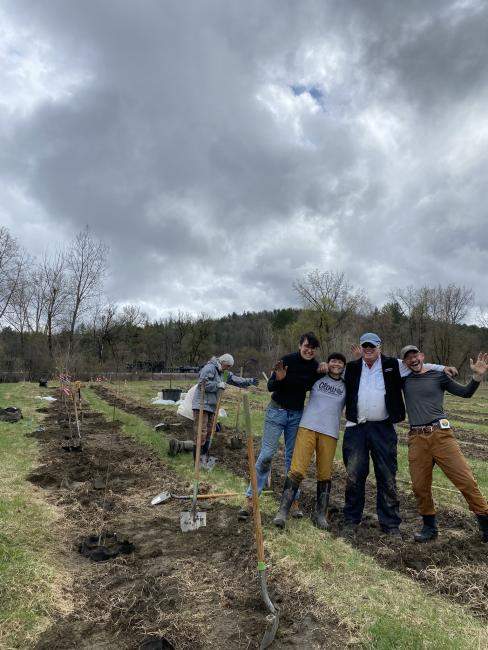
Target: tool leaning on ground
[[272, 619], [166, 496], [208, 462], [193, 519]]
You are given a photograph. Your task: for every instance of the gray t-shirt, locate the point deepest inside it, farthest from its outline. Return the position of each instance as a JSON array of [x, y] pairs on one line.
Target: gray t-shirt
[[424, 395], [324, 408]]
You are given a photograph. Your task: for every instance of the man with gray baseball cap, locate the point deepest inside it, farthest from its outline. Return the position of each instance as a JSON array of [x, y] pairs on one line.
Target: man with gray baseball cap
[[432, 442], [374, 403]]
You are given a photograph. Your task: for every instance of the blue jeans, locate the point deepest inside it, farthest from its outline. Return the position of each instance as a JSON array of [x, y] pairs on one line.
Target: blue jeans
[[276, 422], [378, 439]]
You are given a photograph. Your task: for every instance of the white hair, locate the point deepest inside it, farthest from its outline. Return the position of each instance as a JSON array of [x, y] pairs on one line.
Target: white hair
[[227, 358]]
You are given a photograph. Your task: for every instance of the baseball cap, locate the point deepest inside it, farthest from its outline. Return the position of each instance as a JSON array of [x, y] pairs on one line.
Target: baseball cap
[[370, 337], [407, 349]]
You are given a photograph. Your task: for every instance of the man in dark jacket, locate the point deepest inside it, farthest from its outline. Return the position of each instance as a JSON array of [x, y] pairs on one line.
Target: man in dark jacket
[[374, 403], [292, 377]]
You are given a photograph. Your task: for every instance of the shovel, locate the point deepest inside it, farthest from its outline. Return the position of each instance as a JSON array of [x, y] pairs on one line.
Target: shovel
[[272, 619], [166, 496], [193, 519], [208, 462]]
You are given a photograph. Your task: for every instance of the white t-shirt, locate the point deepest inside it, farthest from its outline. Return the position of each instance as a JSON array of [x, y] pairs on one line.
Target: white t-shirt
[[324, 408]]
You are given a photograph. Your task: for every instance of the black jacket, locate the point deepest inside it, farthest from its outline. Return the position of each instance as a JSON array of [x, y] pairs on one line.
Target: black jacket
[[394, 403], [301, 375]]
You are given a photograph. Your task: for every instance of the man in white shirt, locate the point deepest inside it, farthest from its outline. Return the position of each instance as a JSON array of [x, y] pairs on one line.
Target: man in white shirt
[[374, 403]]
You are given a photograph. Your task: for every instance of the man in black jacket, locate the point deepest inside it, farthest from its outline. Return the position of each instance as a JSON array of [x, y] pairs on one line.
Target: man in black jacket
[[374, 403], [292, 377]]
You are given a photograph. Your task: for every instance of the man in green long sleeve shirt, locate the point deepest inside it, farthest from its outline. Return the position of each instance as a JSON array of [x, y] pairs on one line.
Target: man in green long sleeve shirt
[[431, 441]]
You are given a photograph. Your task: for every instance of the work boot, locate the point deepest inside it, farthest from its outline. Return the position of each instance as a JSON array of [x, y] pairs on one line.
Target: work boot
[[483, 523], [246, 511], [319, 517], [174, 447], [177, 446], [289, 491], [428, 531]]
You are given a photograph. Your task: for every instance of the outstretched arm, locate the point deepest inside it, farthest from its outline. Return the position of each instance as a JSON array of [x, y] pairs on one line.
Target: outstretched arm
[[479, 368], [449, 370], [241, 382]]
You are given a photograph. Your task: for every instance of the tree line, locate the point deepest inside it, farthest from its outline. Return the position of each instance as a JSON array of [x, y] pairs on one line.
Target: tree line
[[54, 317]]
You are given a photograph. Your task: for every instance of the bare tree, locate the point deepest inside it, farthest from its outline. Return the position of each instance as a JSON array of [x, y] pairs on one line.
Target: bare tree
[[333, 300], [414, 304], [104, 322], [11, 263], [54, 279], [448, 307], [86, 265], [197, 339], [18, 311]]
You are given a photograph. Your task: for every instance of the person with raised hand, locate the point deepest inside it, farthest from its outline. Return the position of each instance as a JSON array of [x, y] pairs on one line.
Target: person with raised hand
[[293, 375], [431, 440], [318, 432], [374, 404]]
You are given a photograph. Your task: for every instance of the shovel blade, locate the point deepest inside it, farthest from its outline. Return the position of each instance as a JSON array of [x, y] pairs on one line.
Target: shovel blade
[[192, 520], [272, 621], [160, 498]]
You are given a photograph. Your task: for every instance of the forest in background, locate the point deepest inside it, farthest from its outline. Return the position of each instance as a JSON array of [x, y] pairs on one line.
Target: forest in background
[[55, 318]]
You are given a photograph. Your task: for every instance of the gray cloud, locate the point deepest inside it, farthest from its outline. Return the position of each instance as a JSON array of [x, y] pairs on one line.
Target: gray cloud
[[223, 151]]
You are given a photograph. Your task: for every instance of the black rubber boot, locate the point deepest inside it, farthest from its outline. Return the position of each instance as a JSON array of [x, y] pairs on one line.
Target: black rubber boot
[[483, 523], [177, 446], [174, 447], [289, 491], [319, 517], [429, 530]]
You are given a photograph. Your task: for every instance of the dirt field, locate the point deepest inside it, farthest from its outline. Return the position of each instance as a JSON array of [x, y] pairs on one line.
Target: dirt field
[[200, 590], [176, 590], [453, 566]]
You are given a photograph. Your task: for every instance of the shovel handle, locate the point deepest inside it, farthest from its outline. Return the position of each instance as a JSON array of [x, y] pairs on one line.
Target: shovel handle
[[215, 495], [258, 529], [199, 444], [216, 416]]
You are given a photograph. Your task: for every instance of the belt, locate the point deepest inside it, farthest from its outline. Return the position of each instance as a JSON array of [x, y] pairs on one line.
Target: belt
[[425, 428]]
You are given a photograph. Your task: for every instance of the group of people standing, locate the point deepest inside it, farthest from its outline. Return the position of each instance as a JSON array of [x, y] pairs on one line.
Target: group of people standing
[[376, 392]]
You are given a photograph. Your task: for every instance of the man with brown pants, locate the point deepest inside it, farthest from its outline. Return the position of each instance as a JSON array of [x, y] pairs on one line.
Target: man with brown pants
[[431, 441]]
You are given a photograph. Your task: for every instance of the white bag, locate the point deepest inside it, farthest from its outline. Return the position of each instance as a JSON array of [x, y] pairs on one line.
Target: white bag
[[185, 408]]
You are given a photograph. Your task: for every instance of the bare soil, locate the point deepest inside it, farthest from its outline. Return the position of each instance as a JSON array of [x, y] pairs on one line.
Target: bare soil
[[453, 566], [183, 590]]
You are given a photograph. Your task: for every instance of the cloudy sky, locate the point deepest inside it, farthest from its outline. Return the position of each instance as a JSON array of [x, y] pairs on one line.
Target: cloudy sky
[[223, 149]]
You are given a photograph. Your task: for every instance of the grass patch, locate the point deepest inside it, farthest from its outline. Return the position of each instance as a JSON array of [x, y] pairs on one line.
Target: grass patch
[[380, 607], [29, 580]]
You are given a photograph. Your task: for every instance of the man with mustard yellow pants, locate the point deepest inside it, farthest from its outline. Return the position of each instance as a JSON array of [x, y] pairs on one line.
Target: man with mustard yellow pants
[[318, 431], [432, 442]]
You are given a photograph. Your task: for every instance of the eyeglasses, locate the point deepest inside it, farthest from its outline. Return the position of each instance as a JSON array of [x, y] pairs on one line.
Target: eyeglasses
[[368, 345]]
